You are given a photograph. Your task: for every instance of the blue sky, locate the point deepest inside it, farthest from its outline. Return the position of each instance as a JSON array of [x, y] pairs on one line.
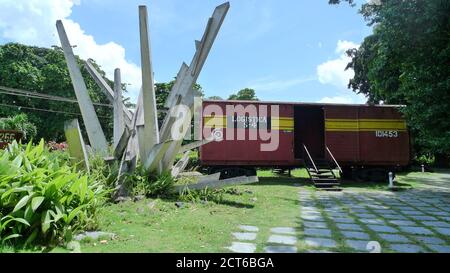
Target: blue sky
[[288, 50]]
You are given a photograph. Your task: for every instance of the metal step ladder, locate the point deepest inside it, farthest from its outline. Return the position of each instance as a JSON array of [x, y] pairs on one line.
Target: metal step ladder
[[321, 171]]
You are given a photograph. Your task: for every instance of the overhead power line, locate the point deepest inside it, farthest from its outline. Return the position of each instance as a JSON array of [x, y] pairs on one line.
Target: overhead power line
[[30, 94], [44, 110]]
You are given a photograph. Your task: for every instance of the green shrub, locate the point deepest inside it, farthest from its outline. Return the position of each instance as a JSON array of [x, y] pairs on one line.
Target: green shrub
[[102, 171], [19, 123], [427, 160], [142, 182], [43, 200], [205, 195]]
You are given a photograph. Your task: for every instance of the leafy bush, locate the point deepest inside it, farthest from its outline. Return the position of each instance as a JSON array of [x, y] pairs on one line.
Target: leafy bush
[[102, 171], [142, 182], [205, 195], [42, 199], [426, 160], [19, 123]]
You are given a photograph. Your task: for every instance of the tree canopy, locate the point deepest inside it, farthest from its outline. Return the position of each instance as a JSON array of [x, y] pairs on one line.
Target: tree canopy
[[215, 98], [407, 61], [244, 94], [45, 71]]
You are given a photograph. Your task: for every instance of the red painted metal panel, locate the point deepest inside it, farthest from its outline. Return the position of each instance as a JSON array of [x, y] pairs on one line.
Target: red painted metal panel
[[248, 152], [343, 145], [384, 151], [352, 146], [363, 146]]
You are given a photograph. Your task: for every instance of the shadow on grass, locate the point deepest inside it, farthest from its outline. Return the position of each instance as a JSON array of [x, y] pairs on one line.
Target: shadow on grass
[[282, 181], [295, 201], [235, 204]]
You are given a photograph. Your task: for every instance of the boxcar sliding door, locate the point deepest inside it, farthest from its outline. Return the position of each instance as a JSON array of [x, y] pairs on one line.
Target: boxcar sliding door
[[309, 130]]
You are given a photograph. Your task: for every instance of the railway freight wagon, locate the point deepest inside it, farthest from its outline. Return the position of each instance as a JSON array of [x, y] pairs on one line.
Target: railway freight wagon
[[362, 141]]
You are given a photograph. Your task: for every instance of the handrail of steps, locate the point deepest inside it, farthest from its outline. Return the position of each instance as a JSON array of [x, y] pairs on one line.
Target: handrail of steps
[[334, 159], [310, 158]]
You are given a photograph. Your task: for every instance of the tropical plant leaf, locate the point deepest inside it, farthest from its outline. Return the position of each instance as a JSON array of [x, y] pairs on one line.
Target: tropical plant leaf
[[36, 202], [12, 236], [23, 202]]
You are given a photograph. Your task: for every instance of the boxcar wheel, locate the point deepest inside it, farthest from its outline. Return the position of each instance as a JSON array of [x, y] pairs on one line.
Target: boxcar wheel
[[347, 173]]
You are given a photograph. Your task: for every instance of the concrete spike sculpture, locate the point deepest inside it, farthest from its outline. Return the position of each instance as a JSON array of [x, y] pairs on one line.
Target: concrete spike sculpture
[[94, 130], [150, 130], [118, 110], [109, 93], [185, 82], [137, 135], [77, 148]]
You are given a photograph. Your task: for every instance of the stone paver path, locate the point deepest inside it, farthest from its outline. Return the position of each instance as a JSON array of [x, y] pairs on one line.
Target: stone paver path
[[409, 221], [360, 220], [244, 237]]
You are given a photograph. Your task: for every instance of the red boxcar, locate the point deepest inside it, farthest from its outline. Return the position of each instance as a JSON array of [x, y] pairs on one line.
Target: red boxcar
[[356, 135]]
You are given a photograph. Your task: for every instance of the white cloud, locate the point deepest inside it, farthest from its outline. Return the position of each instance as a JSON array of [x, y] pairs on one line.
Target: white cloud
[[32, 22], [345, 99], [109, 56], [333, 71], [343, 46]]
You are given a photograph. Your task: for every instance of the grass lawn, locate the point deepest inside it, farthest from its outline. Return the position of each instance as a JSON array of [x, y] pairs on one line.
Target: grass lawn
[[158, 225]]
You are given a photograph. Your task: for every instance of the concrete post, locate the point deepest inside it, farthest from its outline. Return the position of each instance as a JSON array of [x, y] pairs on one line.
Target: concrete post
[[391, 180], [118, 108], [187, 78], [77, 149], [109, 93], [151, 130], [94, 130]]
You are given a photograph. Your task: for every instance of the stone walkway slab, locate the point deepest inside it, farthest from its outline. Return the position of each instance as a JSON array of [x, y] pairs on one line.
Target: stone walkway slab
[[385, 229], [360, 245], [280, 249], [436, 224], [430, 240], [424, 218], [313, 218], [343, 220], [282, 239], [319, 232], [355, 235], [239, 247], [283, 230], [440, 248], [412, 212], [416, 230], [444, 231], [394, 217], [338, 214], [249, 228], [407, 248], [372, 221], [345, 226], [244, 236], [402, 222], [366, 215], [314, 224], [394, 238], [320, 242]]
